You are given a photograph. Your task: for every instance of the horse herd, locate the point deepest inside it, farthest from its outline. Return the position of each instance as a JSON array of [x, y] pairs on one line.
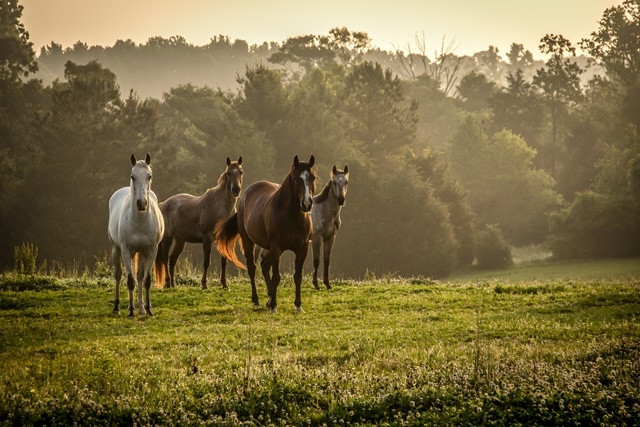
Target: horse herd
[[266, 220]]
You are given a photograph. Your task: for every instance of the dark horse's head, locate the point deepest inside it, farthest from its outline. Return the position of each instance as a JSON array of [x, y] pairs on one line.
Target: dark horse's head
[[233, 176], [303, 175]]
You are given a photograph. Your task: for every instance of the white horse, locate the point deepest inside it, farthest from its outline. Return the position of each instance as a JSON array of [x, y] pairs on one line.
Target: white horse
[[136, 227], [325, 216]]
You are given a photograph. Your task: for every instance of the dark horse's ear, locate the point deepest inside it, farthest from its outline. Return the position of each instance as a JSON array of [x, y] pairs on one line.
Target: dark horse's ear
[[133, 160], [147, 159], [346, 169], [296, 162], [240, 160], [312, 161], [228, 161], [334, 170]]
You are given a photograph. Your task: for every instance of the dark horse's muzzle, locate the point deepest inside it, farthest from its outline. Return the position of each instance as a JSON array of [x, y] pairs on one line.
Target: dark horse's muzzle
[[304, 206], [235, 191]]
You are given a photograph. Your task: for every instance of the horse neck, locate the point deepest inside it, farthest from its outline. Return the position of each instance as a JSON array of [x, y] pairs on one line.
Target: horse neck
[[285, 197], [329, 198], [219, 195]]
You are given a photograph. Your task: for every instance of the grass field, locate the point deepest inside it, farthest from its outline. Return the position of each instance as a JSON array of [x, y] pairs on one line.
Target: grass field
[[561, 346]]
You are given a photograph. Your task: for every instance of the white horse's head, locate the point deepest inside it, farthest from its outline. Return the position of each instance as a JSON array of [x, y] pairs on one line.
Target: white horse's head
[[141, 181], [339, 182]]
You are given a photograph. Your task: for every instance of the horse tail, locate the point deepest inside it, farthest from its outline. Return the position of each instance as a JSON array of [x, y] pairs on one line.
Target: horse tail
[[160, 264], [227, 236]]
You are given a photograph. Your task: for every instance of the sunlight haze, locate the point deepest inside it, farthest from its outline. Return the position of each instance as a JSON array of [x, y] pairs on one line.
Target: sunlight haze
[[475, 25]]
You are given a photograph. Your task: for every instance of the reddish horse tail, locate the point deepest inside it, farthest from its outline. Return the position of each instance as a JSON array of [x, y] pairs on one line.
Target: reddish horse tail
[[160, 264], [226, 238]]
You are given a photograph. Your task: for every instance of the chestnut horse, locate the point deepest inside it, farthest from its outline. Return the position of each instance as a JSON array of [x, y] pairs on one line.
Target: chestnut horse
[[325, 215], [192, 219], [135, 228], [275, 218]]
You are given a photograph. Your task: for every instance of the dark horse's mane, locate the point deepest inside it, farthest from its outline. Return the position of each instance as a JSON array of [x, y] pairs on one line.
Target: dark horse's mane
[[324, 194]]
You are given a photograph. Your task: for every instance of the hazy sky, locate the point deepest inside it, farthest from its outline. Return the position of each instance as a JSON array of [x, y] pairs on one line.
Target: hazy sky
[[391, 24]]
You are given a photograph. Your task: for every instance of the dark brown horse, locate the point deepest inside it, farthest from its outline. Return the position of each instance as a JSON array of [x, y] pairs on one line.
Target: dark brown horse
[[192, 219], [275, 218]]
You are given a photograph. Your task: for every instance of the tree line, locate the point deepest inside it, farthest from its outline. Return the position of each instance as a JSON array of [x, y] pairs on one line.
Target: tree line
[[452, 159]]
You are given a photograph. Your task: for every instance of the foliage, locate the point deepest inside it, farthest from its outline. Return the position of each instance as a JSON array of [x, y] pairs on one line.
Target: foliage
[[492, 251], [476, 91], [384, 351], [17, 58], [596, 225], [504, 186]]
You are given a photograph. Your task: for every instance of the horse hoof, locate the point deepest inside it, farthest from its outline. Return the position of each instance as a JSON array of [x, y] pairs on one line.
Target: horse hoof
[[204, 287], [131, 316], [299, 309], [273, 311], [328, 285], [315, 285], [116, 311], [226, 287], [149, 313]]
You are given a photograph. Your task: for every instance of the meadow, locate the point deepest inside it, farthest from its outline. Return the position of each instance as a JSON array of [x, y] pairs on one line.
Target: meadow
[[541, 344]]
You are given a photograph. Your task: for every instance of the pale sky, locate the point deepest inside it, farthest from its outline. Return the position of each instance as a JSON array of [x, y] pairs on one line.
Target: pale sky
[[391, 24]]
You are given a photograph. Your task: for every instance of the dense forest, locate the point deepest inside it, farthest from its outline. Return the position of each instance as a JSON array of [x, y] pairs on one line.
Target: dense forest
[[453, 159]]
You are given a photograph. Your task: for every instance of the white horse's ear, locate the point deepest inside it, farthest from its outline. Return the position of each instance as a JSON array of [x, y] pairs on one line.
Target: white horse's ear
[[133, 160], [148, 159], [346, 169], [240, 160], [312, 161], [296, 162], [228, 161], [334, 170]]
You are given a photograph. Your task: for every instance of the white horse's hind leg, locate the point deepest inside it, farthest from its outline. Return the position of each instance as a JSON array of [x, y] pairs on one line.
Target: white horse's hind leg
[[117, 265]]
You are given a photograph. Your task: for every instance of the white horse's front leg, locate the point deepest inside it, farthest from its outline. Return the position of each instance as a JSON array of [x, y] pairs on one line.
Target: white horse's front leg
[[148, 264], [127, 258], [142, 273]]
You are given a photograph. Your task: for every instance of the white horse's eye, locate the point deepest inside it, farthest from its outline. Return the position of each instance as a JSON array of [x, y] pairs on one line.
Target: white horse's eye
[[133, 177]]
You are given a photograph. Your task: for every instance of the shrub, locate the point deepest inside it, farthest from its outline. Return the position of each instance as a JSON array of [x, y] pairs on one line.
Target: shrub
[[596, 225], [492, 251]]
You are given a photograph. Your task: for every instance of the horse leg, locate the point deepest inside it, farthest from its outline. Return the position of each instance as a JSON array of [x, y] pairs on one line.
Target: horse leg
[[131, 281], [163, 253], [223, 273], [301, 255], [117, 265], [142, 274], [326, 252], [265, 267], [315, 243], [147, 282], [248, 246], [206, 250], [272, 259], [173, 259]]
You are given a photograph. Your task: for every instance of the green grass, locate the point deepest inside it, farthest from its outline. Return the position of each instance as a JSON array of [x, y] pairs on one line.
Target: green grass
[[387, 351], [608, 269]]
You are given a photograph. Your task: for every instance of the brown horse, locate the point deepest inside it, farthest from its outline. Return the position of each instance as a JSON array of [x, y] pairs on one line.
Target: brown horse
[[193, 219], [275, 218]]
